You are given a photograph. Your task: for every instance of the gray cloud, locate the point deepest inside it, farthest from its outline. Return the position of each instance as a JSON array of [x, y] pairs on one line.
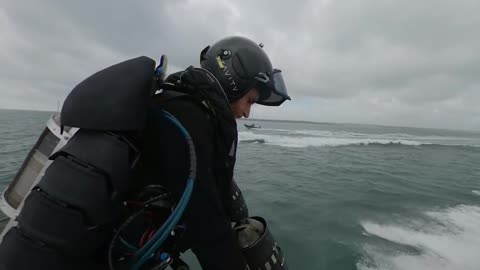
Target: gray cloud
[[384, 62]]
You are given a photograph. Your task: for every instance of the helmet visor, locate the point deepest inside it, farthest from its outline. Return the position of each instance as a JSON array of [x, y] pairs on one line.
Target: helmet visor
[[273, 90]]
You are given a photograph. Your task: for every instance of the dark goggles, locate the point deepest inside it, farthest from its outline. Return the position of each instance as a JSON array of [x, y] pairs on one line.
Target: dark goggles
[[273, 91]]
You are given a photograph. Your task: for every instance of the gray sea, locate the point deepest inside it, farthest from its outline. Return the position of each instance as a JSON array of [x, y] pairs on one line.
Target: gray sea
[[342, 196]]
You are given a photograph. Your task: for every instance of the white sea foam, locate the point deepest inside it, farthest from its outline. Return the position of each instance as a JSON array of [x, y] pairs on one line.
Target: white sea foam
[[453, 243], [291, 141], [305, 138]]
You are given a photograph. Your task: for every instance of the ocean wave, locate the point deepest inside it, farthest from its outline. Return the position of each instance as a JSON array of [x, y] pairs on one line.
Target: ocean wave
[[321, 133], [449, 241], [476, 192], [433, 139], [355, 134]]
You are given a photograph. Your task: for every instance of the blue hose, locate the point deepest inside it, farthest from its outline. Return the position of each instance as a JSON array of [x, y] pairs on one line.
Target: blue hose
[[149, 249]]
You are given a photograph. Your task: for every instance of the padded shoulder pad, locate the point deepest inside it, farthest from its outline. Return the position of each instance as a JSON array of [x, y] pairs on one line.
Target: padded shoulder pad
[[18, 252], [112, 99], [105, 152]]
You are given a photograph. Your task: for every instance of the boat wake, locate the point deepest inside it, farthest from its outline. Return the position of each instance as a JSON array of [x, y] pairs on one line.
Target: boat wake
[[290, 141], [317, 138], [450, 240]]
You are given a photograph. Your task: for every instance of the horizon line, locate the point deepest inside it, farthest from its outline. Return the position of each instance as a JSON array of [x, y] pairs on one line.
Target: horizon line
[[359, 124], [297, 121]]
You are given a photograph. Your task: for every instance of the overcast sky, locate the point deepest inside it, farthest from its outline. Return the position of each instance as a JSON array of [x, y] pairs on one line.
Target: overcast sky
[[408, 63]]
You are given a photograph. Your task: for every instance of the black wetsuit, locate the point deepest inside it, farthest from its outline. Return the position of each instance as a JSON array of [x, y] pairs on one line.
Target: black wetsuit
[[207, 218], [67, 220]]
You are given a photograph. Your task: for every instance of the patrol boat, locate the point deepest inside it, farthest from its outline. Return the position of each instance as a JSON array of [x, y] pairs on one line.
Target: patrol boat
[[251, 126]]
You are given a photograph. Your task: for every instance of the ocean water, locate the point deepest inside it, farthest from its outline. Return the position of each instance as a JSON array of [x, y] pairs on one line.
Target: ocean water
[[342, 196]]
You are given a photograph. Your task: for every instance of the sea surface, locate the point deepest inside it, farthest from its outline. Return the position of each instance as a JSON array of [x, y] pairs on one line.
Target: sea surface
[[341, 196]]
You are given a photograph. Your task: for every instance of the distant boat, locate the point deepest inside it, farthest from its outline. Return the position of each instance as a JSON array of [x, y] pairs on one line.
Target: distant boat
[[251, 126]]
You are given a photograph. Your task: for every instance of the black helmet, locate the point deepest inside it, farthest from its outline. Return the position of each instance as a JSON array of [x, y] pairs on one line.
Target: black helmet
[[240, 64]]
